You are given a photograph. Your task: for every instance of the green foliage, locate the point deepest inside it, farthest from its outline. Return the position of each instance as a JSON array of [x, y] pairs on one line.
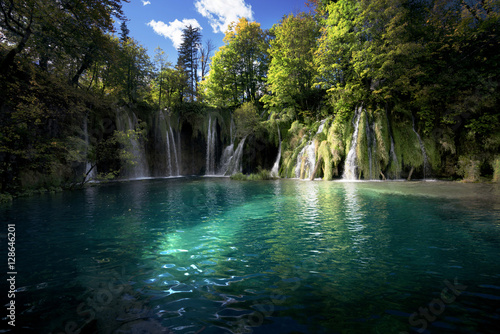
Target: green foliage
[[335, 139], [5, 198], [469, 168], [239, 177], [246, 119], [239, 67], [262, 174], [49, 31], [382, 137], [54, 176], [324, 152], [433, 155], [407, 147], [291, 71]]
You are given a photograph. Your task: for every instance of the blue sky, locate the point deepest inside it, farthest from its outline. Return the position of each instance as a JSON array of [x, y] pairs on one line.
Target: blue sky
[[159, 22]]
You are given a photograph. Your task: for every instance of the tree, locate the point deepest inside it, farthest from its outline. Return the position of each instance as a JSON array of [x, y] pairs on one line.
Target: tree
[[124, 31], [189, 57], [161, 65], [340, 43], [239, 67], [136, 69], [205, 58], [246, 118], [55, 21], [292, 72]]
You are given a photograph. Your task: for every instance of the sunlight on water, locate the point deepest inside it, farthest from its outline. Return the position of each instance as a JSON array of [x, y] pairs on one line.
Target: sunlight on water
[[212, 255]]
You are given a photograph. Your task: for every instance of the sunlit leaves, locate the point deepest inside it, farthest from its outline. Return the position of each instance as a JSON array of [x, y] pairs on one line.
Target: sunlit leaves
[[292, 70], [239, 67]]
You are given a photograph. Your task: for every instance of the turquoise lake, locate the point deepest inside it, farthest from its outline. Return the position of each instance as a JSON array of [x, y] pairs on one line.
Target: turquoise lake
[[212, 255]]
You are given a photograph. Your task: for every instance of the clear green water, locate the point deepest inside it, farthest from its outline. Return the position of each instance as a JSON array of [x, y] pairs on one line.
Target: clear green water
[[211, 255]]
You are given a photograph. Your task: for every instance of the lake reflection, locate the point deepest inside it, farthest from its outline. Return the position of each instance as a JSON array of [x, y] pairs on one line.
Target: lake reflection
[[211, 255]]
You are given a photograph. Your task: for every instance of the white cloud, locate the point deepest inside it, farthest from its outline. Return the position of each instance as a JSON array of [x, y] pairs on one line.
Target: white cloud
[[173, 30], [145, 3], [220, 13]]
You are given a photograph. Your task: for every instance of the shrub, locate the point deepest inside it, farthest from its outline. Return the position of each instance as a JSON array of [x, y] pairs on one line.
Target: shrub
[[262, 174], [469, 168]]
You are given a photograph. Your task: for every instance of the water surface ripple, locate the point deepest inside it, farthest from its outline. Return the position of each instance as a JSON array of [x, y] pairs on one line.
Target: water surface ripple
[[211, 255]]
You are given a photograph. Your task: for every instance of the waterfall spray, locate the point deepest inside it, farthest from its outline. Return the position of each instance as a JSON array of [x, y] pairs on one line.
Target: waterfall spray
[[210, 156], [276, 166], [422, 147], [350, 162]]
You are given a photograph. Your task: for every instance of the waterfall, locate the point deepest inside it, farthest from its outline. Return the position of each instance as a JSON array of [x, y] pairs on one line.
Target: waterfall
[[394, 158], [93, 173], [168, 145], [321, 126], [228, 153], [232, 130], [226, 159], [174, 147], [350, 162], [210, 157], [168, 155], [139, 169], [235, 165], [276, 166], [306, 161], [426, 166]]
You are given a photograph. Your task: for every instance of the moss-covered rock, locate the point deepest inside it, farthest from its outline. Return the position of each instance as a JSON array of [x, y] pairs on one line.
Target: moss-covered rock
[[407, 146], [496, 169], [324, 152]]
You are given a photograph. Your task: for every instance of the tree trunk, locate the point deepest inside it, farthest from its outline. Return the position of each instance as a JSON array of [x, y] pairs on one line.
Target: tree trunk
[[9, 58], [411, 172], [313, 175], [87, 60]]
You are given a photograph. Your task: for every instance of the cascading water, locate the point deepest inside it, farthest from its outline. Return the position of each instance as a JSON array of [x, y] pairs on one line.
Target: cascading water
[[394, 158], [350, 162], [210, 156], [276, 166], [306, 161], [422, 147], [232, 130], [168, 156], [139, 169], [228, 153], [169, 146], [235, 165], [321, 126], [392, 152], [89, 171], [174, 147], [226, 159]]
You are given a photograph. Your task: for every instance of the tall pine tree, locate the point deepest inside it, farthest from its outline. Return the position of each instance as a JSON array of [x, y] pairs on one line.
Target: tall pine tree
[[189, 58]]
